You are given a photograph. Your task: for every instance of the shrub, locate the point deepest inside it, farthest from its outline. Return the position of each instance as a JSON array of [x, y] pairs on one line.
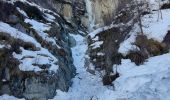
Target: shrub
[[137, 57], [108, 79], [165, 6], [153, 47], [148, 47]]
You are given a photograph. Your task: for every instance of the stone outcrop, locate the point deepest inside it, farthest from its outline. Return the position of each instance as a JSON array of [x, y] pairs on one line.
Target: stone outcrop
[[106, 54], [101, 12], [34, 85], [85, 14], [71, 10]]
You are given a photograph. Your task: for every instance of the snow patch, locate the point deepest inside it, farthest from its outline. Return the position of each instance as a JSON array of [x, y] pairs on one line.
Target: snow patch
[[6, 28], [7, 97]]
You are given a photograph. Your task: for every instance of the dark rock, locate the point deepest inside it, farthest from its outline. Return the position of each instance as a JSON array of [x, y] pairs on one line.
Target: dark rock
[[165, 6], [72, 41], [32, 11], [167, 39], [108, 79], [40, 87], [13, 19]]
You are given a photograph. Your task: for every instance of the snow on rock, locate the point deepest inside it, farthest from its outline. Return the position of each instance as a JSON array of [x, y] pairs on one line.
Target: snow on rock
[[96, 44], [41, 57], [2, 46], [101, 29], [4, 27], [7, 97], [22, 12], [127, 45], [37, 25], [50, 59], [49, 17], [100, 54], [41, 28], [43, 65]]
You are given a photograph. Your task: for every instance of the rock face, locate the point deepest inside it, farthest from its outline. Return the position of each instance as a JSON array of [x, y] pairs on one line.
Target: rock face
[[55, 69], [101, 12], [106, 54], [88, 14], [167, 39], [72, 10], [64, 7]]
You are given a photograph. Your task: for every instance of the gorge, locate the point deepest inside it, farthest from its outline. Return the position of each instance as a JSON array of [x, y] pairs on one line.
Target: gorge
[[84, 50]]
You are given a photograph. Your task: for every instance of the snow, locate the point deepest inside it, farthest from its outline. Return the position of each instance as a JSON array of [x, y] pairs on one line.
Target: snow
[[43, 55], [154, 4], [96, 38], [7, 97], [156, 28], [26, 64], [149, 81], [148, 77], [127, 45], [153, 27], [85, 85], [41, 28], [101, 29], [4, 27], [37, 25], [96, 44], [29, 58], [49, 17], [2, 46], [100, 54], [22, 12]]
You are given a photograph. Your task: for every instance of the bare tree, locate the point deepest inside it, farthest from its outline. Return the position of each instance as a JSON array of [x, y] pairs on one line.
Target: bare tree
[[139, 16], [159, 11]]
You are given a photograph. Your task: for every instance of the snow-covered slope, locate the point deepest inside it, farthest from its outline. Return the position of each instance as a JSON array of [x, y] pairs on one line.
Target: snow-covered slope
[[85, 85], [150, 81], [153, 27]]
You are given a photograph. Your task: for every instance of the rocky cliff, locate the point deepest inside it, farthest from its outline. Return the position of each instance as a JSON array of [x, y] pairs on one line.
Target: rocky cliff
[[35, 50]]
